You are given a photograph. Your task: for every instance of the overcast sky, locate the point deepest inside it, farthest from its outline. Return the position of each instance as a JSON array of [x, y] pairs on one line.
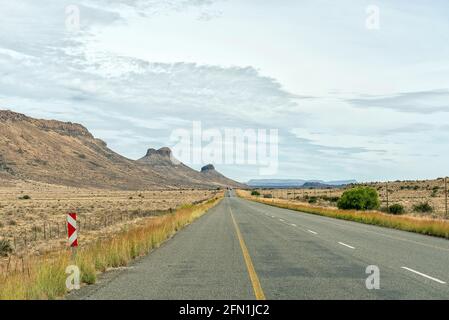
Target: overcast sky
[[352, 98]]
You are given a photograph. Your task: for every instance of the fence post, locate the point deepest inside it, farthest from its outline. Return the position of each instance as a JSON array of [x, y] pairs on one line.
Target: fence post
[[445, 195], [386, 191]]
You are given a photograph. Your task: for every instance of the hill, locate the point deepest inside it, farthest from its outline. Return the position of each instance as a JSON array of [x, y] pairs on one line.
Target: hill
[[168, 166], [66, 153], [295, 183]]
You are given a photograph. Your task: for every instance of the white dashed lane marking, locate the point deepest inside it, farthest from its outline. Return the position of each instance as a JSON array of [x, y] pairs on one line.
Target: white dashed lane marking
[[424, 275], [346, 245]]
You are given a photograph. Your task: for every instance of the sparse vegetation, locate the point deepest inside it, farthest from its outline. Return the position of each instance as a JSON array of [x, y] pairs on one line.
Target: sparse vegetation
[[431, 227], [5, 248], [313, 199], [396, 209], [359, 198], [423, 207], [46, 277], [330, 199]]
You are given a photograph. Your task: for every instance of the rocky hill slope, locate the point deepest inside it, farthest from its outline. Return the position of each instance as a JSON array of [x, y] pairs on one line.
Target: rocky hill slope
[[66, 153]]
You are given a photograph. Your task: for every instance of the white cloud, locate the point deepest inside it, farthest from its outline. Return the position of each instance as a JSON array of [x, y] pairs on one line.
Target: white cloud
[[231, 69]]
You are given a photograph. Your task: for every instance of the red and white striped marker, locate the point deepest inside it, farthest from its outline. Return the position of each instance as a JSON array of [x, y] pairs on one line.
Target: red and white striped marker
[[71, 229]]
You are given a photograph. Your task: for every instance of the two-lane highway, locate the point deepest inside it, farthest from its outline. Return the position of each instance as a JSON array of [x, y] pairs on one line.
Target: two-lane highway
[[248, 250]]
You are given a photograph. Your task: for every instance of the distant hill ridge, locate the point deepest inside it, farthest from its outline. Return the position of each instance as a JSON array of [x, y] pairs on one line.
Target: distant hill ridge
[[296, 183], [67, 153]]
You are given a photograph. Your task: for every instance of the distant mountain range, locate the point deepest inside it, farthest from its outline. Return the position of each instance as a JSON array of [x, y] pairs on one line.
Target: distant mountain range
[[296, 183], [66, 153]]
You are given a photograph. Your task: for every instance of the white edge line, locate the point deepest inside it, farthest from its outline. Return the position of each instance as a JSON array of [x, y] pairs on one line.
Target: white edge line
[[424, 275], [346, 245], [311, 231]]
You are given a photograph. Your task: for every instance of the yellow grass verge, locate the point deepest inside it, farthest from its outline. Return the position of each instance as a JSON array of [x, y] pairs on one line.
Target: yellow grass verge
[[45, 277], [427, 226]]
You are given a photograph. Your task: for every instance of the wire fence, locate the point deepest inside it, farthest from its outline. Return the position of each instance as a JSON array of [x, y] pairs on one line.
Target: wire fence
[[23, 240], [409, 194]]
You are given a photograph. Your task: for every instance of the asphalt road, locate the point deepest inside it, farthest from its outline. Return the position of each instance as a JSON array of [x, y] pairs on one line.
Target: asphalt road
[[248, 250]]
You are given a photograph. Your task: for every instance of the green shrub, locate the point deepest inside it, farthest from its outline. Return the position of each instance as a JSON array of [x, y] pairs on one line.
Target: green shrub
[[359, 198], [423, 207], [255, 193], [5, 248], [330, 199], [25, 197], [396, 209], [313, 199]]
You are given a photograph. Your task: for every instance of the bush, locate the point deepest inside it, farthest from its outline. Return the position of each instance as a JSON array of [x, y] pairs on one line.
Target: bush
[[359, 198], [396, 209], [268, 196], [330, 199], [313, 200], [5, 248], [255, 193], [25, 197], [423, 207]]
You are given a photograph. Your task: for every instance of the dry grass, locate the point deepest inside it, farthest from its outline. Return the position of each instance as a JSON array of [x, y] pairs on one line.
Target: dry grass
[[44, 277], [47, 208], [427, 226], [406, 193]]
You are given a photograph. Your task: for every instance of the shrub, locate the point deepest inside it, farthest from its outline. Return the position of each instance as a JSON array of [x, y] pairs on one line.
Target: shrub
[[359, 198], [396, 209], [255, 193], [268, 196], [25, 197], [423, 207], [330, 199], [313, 200], [5, 248]]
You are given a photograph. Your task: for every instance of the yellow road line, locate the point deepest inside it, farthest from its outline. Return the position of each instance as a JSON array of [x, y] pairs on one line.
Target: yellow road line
[[249, 264]]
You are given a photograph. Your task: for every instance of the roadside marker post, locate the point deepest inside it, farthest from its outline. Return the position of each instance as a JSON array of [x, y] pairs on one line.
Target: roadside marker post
[[72, 233]]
